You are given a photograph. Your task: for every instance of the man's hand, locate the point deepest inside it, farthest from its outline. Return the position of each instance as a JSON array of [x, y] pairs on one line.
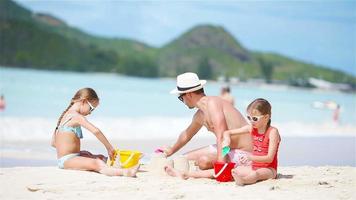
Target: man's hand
[[167, 150]]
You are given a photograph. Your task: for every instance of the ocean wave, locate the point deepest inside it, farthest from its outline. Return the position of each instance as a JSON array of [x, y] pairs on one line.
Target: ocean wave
[[22, 128]]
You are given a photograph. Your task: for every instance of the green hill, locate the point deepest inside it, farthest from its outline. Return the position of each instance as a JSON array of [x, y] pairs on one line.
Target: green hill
[[294, 71], [43, 41], [212, 51], [211, 45], [25, 44], [134, 58], [125, 47]]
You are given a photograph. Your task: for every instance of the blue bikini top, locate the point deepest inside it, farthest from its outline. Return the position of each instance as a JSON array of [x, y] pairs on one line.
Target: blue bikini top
[[77, 130]]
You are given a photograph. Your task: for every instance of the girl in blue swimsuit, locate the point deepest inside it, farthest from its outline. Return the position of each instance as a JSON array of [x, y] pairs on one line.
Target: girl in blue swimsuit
[[68, 132]]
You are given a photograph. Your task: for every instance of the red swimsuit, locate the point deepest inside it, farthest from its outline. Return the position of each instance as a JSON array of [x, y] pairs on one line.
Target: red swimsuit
[[260, 148]]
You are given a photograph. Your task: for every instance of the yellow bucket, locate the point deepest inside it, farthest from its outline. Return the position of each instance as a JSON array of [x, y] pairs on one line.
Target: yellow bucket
[[127, 158]]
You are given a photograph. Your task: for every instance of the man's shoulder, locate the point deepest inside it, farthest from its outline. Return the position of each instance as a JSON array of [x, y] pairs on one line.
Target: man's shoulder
[[214, 100], [199, 115]]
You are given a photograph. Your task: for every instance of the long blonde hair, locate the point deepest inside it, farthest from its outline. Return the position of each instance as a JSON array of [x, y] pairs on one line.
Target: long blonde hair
[[83, 94]]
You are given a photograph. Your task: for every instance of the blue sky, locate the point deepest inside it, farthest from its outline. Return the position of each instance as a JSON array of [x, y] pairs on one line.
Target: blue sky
[[319, 32]]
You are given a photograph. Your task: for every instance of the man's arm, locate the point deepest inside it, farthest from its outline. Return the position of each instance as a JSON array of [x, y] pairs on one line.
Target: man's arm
[[186, 135]]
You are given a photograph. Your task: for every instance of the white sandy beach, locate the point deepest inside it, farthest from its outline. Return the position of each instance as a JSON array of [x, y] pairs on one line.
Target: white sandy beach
[[305, 182], [319, 181]]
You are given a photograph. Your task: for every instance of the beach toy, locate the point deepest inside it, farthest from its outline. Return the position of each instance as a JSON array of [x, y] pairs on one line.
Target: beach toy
[[181, 163], [225, 150], [222, 171], [159, 150], [127, 158], [158, 162]]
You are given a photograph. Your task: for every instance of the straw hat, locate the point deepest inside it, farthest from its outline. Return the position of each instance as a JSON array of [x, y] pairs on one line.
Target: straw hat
[[188, 82]]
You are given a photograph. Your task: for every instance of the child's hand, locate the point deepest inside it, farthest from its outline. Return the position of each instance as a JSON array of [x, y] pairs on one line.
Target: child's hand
[[111, 153], [167, 150], [244, 159]]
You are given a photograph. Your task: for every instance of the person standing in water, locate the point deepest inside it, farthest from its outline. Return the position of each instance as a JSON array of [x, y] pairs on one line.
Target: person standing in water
[[226, 95], [336, 114], [2, 103]]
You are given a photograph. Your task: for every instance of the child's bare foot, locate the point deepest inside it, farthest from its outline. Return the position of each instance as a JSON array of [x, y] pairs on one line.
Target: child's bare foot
[[131, 172], [237, 177], [176, 173]]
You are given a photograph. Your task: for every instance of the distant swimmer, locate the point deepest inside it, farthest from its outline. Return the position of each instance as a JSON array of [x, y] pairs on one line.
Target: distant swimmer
[[2, 103], [336, 114], [330, 105], [225, 94]]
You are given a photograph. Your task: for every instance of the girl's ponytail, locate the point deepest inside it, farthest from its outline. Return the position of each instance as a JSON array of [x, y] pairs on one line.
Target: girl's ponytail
[[60, 118], [53, 141]]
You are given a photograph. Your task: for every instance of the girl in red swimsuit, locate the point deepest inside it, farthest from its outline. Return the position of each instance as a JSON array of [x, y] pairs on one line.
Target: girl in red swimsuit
[[266, 141]]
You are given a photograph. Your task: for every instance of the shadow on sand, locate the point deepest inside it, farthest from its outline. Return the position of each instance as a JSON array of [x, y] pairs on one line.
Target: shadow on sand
[[285, 176]]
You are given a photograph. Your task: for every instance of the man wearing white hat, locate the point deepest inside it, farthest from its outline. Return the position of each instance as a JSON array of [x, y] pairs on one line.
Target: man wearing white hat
[[216, 114]]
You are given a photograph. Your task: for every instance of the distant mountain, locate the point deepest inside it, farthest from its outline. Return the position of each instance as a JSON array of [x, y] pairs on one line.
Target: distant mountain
[[26, 43], [211, 50], [121, 46], [43, 41], [10, 10], [203, 44]]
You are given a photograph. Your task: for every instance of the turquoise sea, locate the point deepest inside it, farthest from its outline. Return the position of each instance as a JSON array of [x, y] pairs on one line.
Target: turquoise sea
[[142, 111], [137, 106]]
